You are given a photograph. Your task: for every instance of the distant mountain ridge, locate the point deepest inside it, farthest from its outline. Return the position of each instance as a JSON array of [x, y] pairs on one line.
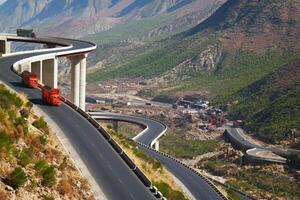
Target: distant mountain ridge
[[66, 17]]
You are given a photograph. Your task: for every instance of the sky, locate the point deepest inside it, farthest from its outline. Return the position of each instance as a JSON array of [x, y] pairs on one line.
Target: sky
[[2, 1]]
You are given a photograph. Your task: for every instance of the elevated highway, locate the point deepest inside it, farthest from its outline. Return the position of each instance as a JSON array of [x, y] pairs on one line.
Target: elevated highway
[[114, 177]]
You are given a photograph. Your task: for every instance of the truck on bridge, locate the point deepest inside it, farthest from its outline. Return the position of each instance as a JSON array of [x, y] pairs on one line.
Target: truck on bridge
[[51, 96], [26, 33], [30, 79]]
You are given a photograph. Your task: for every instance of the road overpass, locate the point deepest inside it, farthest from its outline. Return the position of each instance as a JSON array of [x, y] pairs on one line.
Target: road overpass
[[153, 129], [116, 179], [45, 66]]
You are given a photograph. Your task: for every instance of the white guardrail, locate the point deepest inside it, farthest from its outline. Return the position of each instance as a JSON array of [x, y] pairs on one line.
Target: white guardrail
[[64, 51]]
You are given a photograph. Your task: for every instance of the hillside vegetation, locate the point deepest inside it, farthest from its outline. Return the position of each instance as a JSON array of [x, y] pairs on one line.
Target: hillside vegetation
[[152, 168], [271, 106], [32, 162], [237, 47]]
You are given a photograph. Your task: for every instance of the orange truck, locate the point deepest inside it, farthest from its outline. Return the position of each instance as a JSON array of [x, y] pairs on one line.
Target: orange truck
[[30, 79], [51, 96]]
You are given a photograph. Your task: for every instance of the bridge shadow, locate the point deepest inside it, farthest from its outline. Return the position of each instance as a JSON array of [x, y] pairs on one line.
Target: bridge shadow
[[19, 84], [38, 102]]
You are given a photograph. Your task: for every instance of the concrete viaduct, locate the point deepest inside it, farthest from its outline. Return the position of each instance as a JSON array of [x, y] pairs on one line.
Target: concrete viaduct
[[46, 68]]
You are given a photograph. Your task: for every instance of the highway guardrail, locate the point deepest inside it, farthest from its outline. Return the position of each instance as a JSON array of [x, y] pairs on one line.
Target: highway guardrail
[[142, 177], [190, 168]]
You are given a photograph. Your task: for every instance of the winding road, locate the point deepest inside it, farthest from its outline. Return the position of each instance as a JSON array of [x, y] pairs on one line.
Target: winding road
[[255, 151], [114, 177], [198, 187]]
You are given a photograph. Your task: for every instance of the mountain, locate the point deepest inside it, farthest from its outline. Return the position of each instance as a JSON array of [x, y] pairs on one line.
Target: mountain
[[67, 17], [271, 106], [243, 43], [239, 44]]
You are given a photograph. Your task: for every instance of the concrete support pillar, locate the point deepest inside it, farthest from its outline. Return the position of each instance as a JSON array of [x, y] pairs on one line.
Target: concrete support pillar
[[8, 47], [156, 145], [78, 80], [82, 83], [25, 67], [36, 67], [4, 46], [75, 78], [50, 72]]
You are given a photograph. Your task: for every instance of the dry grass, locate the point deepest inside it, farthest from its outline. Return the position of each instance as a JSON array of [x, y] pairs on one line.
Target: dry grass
[[17, 139], [65, 187], [155, 175], [3, 195], [159, 174]]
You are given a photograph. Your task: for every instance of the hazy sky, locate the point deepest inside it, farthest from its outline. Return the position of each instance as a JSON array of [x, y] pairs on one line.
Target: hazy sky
[[2, 1]]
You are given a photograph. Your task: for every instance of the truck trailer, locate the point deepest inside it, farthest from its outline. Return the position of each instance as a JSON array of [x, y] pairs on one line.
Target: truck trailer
[[26, 33], [51, 96], [30, 79]]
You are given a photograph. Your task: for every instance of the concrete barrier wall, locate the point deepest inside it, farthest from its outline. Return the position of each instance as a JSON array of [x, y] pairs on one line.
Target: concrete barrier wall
[[143, 178]]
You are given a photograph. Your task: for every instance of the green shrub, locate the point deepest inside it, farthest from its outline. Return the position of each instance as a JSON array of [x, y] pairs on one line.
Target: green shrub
[[29, 105], [9, 99], [40, 166], [49, 179], [17, 178], [33, 184], [24, 158], [43, 139], [3, 115], [41, 125], [22, 122], [6, 142], [24, 113], [46, 197], [168, 192], [12, 115]]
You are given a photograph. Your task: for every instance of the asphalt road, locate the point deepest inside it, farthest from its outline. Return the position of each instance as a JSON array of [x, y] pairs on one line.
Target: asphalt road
[[197, 186], [152, 127], [114, 177], [256, 149]]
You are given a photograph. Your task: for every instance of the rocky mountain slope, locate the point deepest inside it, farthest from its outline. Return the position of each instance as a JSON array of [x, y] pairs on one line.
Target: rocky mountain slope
[[82, 17], [33, 163], [242, 39], [241, 43]]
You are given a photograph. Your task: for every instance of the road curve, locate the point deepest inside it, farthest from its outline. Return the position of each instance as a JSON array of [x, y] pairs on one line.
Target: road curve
[[199, 187], [114, 177], [153, 129], [254, 151]]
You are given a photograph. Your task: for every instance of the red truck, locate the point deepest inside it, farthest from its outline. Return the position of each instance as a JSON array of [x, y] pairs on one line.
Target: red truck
[[30, 79], [51, 96]]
